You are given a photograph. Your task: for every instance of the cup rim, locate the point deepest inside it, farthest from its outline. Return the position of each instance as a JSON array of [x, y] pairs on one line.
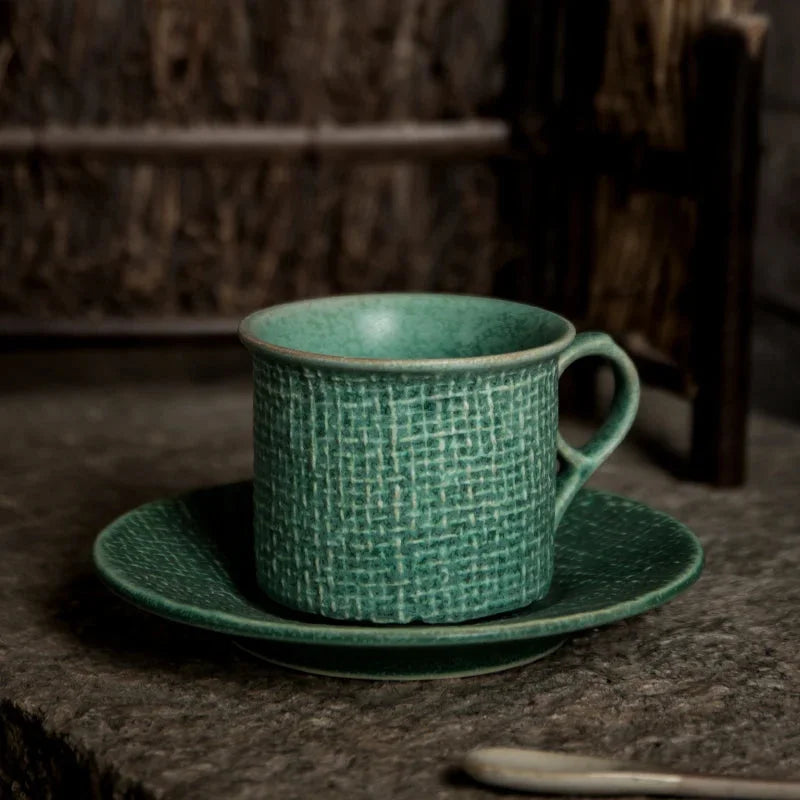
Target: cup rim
[[497, 361]]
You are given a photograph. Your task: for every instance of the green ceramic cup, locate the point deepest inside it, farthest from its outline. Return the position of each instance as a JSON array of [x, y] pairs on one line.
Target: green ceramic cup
[[406, 452]]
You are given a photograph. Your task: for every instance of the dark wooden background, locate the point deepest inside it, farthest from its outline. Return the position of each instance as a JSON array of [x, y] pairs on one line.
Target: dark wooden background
[[776, 339], [87, 241]]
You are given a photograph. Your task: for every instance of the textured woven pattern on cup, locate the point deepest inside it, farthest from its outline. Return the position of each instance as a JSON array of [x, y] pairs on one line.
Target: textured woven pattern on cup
[[395, 498]]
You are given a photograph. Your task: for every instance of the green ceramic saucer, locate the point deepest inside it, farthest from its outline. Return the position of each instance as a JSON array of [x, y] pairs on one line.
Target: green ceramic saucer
[[189, 559]]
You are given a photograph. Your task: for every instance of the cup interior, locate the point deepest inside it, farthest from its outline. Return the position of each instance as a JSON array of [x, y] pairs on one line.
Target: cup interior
[[405, 327]]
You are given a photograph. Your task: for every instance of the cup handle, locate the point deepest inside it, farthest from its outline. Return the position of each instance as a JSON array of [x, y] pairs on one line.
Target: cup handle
[[578, 463]]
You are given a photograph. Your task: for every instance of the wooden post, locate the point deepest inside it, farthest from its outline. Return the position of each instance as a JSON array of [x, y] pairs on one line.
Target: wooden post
[[724, 148]]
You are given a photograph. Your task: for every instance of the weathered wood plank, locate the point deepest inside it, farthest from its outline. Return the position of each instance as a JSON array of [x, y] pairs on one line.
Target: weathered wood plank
[[725, 146]]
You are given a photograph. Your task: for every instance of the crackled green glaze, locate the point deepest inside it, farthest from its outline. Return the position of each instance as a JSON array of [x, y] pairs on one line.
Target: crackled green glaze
[[405, 452], [190, 559]]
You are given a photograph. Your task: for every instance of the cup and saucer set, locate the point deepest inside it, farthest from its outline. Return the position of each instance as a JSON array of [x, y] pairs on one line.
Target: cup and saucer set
[[407, 518]]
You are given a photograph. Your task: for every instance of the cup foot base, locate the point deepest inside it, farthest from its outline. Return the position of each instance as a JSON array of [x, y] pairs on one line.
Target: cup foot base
[[402, 663]]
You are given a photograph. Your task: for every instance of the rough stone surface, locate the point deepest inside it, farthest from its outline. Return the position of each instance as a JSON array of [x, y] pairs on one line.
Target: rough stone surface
[[100, 700]]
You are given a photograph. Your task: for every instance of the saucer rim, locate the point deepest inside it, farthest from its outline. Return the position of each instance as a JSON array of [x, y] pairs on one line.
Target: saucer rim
[[389, 635]]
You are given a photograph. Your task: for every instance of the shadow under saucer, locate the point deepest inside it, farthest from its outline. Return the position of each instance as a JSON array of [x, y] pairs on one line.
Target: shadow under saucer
[[402, 663]]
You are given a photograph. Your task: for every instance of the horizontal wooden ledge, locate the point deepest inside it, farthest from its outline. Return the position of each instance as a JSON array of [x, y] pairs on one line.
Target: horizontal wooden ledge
[[27, 333], [637, 165], [385, 140], [30, 334], [22, 333]]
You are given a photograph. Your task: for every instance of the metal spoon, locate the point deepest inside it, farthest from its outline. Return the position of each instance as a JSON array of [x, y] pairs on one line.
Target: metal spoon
[[560, 773]]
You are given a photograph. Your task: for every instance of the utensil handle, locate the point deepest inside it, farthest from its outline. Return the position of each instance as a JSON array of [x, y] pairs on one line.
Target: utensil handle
[[601, 784], [561, 773], [578, 463]]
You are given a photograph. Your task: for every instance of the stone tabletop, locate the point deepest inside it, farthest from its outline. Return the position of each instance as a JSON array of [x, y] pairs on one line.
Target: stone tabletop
[[98, 699]]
